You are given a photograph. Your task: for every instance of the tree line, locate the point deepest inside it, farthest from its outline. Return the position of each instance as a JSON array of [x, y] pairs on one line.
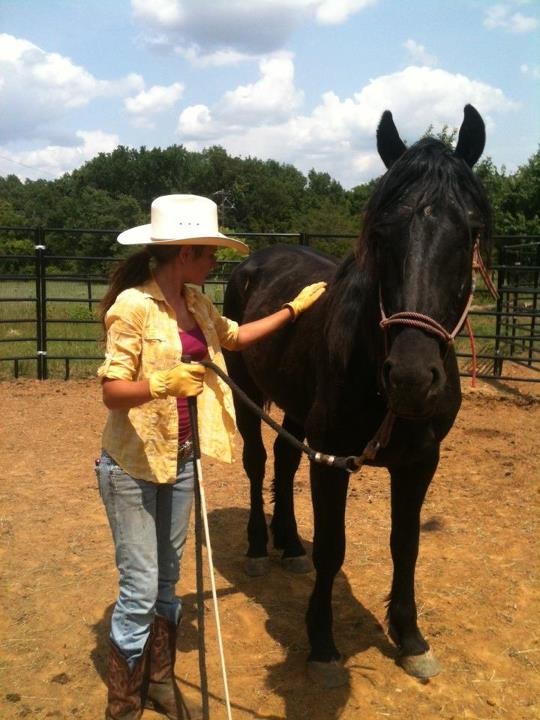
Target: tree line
[[114, 191]]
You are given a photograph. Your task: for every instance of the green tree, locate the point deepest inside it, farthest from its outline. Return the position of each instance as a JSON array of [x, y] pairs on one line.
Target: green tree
[[115, 190], [515, 199], [446, 134], [267, 196], [14, 242], [521, 201]]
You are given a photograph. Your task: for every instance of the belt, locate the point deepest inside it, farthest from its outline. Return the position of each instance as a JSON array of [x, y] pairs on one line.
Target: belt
[[185, 450]]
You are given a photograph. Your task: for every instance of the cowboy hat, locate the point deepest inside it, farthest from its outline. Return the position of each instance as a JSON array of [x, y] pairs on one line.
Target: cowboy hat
[[181, 220]]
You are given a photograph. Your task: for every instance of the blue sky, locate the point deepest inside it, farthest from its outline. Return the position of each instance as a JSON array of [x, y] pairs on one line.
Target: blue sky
[[298, 81]]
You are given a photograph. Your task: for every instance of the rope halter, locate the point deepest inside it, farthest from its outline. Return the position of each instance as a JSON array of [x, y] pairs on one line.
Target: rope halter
[[427, 323]]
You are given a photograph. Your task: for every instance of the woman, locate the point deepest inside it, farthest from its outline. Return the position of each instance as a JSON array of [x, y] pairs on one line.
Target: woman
[[152, 317]]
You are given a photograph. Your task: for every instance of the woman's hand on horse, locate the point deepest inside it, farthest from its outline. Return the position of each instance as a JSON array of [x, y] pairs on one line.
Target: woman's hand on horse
[[306, 298], [183, 380]]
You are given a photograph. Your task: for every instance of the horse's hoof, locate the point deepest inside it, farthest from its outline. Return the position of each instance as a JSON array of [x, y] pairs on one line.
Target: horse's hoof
[[328, 674], [299, 565], [255, 567], [420, 666]]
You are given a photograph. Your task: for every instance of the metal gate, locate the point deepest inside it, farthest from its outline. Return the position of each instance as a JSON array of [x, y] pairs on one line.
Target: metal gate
[[49, 323]]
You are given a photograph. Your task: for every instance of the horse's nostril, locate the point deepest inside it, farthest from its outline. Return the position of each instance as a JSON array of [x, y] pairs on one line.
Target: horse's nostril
[[435, 378], [386, 370]]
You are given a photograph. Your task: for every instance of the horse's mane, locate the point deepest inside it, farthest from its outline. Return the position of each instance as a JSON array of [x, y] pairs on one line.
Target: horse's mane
[[352, 302], [426, 173]]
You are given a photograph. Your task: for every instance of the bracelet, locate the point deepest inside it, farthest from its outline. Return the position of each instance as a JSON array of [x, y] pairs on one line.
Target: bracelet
[[291, 311]]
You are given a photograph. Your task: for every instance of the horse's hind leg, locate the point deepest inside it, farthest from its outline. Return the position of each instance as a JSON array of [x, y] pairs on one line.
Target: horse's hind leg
[[409, 486], [283, 525]]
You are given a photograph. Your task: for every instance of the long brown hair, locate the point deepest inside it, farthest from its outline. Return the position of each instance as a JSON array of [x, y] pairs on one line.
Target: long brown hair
[[135, 270]]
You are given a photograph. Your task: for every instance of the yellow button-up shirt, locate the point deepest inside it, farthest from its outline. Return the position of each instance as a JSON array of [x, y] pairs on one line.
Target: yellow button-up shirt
[[142, 336]]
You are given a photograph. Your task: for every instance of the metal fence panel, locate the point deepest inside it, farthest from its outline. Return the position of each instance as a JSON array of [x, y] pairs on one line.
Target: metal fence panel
[[58, 296]]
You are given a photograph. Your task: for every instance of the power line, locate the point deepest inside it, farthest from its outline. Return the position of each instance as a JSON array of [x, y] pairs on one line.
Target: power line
[[29, 167]]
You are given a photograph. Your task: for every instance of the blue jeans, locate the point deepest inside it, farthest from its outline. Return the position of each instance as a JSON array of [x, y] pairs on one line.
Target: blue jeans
[[149, 523]]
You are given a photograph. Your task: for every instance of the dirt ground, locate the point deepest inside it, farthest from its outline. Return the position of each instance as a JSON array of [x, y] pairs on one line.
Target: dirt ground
[[476, 579]]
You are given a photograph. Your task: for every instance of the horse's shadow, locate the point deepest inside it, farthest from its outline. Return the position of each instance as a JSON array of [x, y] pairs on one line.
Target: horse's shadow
[[284, 597]]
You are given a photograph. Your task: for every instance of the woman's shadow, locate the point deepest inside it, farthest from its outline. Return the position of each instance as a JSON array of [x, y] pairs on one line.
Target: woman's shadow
[[283, 597]]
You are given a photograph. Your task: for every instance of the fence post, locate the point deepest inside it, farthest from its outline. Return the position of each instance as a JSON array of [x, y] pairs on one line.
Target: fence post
[[497, 361], [89, 291], [41, 298], [534, 307]]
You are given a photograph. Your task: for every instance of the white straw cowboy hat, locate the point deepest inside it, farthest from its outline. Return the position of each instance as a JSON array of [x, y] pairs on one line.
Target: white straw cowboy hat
[[181, 220]]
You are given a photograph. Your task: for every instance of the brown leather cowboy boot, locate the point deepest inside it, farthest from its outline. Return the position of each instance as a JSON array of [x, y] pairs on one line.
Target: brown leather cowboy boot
[[163, 693], [125, 686]]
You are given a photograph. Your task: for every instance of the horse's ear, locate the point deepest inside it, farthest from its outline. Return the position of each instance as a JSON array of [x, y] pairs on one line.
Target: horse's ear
[[472, 136], [389, 145]]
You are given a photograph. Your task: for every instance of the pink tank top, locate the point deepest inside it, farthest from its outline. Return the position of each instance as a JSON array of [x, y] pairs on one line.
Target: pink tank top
[[193, 344]]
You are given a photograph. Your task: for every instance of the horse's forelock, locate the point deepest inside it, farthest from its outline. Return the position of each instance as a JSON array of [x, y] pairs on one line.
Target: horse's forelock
[[428, 172]]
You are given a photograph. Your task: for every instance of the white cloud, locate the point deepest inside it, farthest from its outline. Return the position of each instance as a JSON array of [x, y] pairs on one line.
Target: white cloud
[[418, 53], [196, 121], [268, 101], [339, 135], [421, 94], [121, 87], [210, 32], [219, 58], [333, 12], [160, 12], [55, 160], [205, 27], [272, 97], [501, 16], [39, 87], [532, 70], [151, 102]]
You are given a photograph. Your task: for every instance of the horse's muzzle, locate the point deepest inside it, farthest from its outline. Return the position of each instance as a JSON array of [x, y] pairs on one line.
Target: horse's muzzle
[[413, 375]]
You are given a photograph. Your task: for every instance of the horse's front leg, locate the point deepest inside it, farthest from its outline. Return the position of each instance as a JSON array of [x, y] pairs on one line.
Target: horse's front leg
[[329, 497], [254, 459], [409, 487], [283, 525]]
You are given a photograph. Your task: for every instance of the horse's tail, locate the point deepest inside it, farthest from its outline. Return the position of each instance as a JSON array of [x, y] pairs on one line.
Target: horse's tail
[[238, 291]]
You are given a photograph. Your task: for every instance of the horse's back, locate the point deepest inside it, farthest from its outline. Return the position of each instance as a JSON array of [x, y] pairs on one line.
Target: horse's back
[[271, 277], [281, 367]]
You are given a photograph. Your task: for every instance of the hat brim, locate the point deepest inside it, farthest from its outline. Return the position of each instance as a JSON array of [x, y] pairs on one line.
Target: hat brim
[[141, 235]]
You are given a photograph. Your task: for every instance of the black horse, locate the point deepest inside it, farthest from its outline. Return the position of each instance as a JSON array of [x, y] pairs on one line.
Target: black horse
[[378, 344]]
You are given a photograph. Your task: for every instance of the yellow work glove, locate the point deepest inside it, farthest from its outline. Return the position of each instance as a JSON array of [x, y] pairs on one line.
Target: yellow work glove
[[306, 298], [183, 380]]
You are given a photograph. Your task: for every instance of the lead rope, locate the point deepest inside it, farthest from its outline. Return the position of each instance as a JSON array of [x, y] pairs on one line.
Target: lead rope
[[349, 463]]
